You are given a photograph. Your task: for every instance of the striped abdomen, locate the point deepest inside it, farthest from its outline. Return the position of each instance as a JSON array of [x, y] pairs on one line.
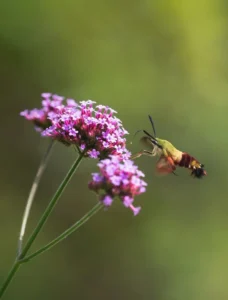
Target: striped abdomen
[[188, 161]]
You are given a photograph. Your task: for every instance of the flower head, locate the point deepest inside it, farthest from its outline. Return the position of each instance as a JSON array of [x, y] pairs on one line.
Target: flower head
[[50, 105], [118, 179], [93, 129]]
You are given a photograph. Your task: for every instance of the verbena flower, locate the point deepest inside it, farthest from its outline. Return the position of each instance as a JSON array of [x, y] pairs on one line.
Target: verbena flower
[[118, 179], [94, 130], [50, 105]]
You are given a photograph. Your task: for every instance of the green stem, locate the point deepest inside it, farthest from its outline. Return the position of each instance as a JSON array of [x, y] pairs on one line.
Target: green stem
[[41, 223], [32, 194], [65, 234], [47, 247], [9, 277], [51, 205]]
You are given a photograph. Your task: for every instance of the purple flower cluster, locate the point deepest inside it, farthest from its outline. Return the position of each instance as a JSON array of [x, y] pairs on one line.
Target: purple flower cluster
[[94, 130], [97, 133], [50, 105], [118, 179]]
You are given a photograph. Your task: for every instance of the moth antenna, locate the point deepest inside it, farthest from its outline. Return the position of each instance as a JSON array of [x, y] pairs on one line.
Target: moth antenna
[[153, 139], [151, 136], [152, 123]]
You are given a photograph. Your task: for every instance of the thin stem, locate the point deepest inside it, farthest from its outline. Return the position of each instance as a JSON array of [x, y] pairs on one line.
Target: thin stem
[[51, 205], [65, 234], [32, 194], [9, 278], [41, 223]]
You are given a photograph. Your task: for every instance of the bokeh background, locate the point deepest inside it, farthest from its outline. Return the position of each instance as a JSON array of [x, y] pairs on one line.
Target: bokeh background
[[166, 58]]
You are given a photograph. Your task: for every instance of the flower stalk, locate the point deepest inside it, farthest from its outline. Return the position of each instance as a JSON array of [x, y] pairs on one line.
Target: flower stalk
[[51, 205], [65, 234], [47, 247], [41, 223], [32, 194]]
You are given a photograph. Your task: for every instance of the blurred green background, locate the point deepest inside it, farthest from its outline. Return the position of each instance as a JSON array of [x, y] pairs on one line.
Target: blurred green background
[[166, 58]]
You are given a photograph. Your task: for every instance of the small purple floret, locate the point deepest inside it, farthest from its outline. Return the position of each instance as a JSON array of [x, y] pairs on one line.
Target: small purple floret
[[107, 200], [127, 201], [135, 210], [93, 153]]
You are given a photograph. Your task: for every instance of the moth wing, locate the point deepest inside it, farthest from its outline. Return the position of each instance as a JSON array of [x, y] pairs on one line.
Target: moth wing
[[146, 141], [165, 165], [151, 143]]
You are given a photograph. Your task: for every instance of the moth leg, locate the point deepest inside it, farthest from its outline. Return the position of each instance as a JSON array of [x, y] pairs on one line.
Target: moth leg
[[170, 160], [143, 152], [172, 165]]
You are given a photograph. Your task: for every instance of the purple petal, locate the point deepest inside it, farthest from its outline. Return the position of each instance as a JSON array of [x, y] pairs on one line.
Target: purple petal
[[93, 153], [116, 180], [127, 201], [97, 177], [107, 200], [135, 210], [71, 103], [57, 98], [46, 95]]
